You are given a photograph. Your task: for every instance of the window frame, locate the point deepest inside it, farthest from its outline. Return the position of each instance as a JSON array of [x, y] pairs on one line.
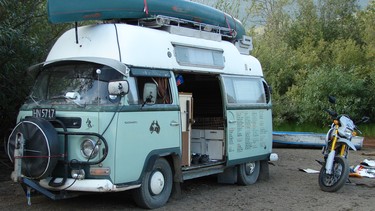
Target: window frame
[[236, 96]]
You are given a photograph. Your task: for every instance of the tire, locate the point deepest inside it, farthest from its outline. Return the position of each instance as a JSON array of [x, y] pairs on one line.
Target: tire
[[335, 181], [156, 186], [40, 147], [248, 173]]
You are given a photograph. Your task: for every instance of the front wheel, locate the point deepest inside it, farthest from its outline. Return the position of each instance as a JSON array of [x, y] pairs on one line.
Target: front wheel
[[248, 173], [335, 181], [156, 186]]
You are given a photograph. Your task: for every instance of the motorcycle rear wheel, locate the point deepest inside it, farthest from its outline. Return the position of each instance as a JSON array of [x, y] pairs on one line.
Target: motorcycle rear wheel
[[335, 181]]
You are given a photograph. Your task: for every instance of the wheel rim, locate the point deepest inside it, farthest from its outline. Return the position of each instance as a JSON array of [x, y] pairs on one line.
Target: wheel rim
[[333, 178], [250, 168], [157, 183]]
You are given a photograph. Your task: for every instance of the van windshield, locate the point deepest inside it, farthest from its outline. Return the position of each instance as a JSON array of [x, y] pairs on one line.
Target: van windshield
[[80, 83]]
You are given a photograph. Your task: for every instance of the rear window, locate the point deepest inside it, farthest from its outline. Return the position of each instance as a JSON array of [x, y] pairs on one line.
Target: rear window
[[243, 90]]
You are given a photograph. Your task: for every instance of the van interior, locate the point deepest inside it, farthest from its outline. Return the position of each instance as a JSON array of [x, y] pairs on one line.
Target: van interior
[[204, 135]]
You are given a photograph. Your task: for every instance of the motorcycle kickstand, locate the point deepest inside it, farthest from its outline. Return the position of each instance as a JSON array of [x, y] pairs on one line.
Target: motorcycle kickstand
[[320, 162]]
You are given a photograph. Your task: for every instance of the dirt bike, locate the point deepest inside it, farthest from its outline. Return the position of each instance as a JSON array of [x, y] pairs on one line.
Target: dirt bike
[[335, 168]]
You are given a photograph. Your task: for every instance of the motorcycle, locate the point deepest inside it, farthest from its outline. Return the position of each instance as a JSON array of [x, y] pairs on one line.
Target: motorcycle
[[335, 168]]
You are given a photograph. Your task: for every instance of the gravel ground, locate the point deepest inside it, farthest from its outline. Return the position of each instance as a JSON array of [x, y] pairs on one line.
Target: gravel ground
[[287, 189]]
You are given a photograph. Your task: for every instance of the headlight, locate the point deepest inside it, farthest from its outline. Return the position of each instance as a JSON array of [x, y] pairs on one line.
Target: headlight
[[78, 174], [346, 133], [89, 148]]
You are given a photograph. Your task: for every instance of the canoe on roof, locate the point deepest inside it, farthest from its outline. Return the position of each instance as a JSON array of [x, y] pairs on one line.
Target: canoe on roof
[[62, 11]]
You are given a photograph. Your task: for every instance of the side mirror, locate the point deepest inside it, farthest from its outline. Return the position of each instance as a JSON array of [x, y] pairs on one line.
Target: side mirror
[[365, 119], [118, 87], [332, 99]]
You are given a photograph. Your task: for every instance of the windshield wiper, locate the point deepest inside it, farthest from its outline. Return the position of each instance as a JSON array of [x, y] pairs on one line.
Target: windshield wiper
[[67, 98], [32, 98]]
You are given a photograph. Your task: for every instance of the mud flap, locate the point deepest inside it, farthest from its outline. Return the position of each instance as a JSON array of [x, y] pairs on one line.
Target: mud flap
[[264, 174], [176, 190], [229, 176]]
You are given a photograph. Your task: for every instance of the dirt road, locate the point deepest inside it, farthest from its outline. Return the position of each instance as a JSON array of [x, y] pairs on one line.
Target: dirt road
[[287, 189]]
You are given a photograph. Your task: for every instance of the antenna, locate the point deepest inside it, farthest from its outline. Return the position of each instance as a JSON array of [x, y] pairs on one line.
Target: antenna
[[76, 27]]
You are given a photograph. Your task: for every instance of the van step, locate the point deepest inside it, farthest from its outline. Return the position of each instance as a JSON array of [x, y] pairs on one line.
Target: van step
[[204, 171]]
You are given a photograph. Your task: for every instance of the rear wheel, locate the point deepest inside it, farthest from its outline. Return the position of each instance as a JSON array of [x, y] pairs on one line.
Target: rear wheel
[[248, 173], [156, 186], [335, 181]]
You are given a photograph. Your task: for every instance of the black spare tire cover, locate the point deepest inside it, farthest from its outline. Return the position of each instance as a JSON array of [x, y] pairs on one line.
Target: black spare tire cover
[[40, 152]]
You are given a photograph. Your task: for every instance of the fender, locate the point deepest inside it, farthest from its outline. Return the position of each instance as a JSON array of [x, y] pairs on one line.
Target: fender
[[347, 142], [329, 134]]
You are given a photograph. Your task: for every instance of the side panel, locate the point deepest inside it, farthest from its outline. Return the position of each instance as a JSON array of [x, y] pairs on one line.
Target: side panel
[[138, 134], [249, 134]]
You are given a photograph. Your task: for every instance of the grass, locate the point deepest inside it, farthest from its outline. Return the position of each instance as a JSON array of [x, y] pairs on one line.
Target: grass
[[368, 130]]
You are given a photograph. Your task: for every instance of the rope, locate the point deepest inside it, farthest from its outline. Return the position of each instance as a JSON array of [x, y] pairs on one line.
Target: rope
[[226, 20], [52, 156], [146, 7]]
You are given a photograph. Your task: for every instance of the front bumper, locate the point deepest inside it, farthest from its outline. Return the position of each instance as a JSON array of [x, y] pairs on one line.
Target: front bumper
[[86, 185]]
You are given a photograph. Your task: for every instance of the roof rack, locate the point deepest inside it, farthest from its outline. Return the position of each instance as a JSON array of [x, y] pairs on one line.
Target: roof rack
[[161, 21], [196, 29]]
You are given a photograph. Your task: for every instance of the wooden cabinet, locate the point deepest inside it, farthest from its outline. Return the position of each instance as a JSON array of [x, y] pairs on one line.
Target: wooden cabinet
[[186, 108]]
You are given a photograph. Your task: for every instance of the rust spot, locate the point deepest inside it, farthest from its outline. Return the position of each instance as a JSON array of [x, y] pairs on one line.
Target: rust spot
[[93, 15]]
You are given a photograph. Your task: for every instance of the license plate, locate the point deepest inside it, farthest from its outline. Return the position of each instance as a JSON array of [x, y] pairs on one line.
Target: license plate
[[45, 113]]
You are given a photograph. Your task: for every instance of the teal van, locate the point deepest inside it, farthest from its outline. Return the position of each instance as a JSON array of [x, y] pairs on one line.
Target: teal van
[[119, 107]]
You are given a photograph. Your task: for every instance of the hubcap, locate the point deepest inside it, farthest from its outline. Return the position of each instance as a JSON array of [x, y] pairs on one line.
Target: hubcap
[[156, 183], [249, 168]]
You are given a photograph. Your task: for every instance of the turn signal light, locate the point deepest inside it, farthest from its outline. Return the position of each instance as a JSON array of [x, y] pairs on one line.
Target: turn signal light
[[100, 171]]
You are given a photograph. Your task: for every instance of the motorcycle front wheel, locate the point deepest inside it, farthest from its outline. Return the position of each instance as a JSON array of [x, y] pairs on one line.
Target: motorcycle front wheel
[[335, 181]]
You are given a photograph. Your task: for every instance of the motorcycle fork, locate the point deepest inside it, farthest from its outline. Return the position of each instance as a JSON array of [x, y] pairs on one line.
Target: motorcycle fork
[[332, 152], [334, 142], [333, 145]]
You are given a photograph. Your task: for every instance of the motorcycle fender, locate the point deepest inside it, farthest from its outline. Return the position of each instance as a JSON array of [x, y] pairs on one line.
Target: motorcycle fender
[[329, 133], [347, 142], [329, 162]]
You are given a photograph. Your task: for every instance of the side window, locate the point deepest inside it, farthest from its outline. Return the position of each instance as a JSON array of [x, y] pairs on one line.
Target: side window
[[153, 90], [244, 90]]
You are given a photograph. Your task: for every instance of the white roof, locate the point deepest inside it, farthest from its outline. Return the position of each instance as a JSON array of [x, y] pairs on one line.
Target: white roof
[[147, 47]]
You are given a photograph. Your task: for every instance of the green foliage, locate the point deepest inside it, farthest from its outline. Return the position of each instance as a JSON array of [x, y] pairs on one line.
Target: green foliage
[[311, 94], [367, 24], [327, 48], [25, 38]]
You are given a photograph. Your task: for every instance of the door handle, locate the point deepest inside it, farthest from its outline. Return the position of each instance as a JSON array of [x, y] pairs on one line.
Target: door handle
[[174, 123], [232, 121]]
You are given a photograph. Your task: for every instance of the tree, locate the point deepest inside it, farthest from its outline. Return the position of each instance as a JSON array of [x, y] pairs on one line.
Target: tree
[[25, 37], [325, 47], [367, 24], [305, 27], [338, 20]]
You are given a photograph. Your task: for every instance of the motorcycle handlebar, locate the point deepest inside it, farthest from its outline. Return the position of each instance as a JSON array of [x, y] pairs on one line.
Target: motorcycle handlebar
[[331, 113]]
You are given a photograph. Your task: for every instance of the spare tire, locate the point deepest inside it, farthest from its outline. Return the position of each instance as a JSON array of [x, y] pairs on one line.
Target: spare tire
[[40, 151]]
